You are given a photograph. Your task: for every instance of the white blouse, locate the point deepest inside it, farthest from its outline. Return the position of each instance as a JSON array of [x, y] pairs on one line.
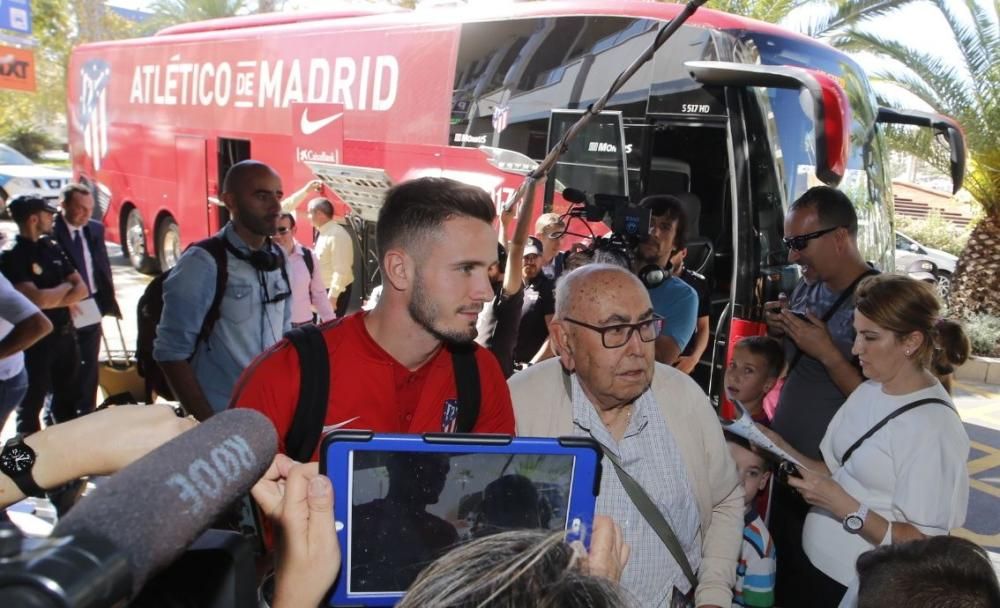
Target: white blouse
[[912, 470]]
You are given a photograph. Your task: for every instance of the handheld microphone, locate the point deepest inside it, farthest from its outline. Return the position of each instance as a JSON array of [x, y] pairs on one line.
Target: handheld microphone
[[143, 517]]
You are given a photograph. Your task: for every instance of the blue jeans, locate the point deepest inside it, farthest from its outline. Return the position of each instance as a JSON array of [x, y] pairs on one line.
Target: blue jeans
[[12, 391]]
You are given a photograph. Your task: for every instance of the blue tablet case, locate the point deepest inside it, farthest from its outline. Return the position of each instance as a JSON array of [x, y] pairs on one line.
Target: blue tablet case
[[403, 500]]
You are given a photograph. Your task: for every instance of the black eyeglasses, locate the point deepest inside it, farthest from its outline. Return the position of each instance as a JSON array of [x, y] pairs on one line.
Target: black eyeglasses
[[616, 336], [284, 230], [798, 243]]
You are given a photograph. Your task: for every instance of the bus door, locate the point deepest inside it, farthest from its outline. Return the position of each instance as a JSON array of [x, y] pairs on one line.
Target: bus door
[[192, 205], [760, 268]]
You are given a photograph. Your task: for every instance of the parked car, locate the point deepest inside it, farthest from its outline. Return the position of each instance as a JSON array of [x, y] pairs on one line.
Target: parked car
[[909, 251], [19, 175]]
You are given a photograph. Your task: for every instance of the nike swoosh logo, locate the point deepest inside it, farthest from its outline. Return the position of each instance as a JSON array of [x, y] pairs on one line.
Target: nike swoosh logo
[[311, 126], [339, 425]]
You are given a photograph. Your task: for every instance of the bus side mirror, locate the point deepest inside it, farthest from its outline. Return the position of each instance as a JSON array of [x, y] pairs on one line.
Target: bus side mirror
[[942, 125], [831, 110]]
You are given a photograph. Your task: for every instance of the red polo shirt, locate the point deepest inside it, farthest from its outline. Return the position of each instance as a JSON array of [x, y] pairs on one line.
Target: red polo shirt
[[371, 387]]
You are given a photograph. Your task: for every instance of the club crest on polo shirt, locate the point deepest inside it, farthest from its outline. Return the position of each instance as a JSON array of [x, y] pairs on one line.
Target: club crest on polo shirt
[[449, 416]]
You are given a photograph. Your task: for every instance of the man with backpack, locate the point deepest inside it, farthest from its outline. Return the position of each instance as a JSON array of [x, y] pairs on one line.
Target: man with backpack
[[309, 299], [227, 299], [409, 365]]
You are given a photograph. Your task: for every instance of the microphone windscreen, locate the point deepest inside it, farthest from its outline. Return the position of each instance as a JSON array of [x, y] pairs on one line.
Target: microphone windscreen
[[154, 508]]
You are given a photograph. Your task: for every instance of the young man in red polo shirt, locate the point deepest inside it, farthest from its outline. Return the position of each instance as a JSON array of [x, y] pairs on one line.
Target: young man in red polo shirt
[[389, 368]]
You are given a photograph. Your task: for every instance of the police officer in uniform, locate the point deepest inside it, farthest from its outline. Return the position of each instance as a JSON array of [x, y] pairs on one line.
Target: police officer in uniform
[[39, 268]]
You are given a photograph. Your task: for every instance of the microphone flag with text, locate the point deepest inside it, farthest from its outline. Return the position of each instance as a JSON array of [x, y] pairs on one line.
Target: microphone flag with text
[[142, 518]]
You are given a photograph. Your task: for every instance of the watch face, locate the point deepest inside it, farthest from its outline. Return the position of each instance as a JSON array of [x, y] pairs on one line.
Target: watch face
[[16, 459], [854, 523]]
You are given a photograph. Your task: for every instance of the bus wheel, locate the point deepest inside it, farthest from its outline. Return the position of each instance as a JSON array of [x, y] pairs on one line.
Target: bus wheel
[[134, 244], [168, 244]]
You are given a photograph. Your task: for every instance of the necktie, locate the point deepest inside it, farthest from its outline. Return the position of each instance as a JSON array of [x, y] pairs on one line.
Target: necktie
[[78, 250]]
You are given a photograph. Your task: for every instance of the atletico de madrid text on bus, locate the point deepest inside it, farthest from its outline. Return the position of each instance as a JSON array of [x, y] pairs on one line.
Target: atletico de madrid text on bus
[[367, 83]]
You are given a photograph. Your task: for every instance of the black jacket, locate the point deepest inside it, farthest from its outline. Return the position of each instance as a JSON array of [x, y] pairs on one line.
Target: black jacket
[[93, 234]]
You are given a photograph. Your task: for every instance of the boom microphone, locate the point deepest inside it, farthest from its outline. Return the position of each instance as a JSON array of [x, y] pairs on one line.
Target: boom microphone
[[143, 517]]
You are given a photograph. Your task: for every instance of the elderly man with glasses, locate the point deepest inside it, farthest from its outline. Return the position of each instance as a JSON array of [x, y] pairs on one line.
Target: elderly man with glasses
[[668, 480], [817, 324]]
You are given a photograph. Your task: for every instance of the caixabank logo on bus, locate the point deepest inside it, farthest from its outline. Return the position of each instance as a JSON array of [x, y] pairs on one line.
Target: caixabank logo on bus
[[318, 132], [93, 109]]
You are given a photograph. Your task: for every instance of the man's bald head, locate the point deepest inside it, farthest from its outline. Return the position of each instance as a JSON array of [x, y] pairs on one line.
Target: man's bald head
[[239, 173], [590, 283]]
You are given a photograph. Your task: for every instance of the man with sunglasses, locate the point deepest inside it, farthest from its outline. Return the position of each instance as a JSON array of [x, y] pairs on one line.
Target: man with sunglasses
[[821, 230], [652, 421], [309, 300], [255, 308]]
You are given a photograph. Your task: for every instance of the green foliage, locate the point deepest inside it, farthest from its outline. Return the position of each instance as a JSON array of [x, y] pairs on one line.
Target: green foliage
[[966, 91], [826, 17], [47, 104], [984, 334], [29, 140], [934, 231]]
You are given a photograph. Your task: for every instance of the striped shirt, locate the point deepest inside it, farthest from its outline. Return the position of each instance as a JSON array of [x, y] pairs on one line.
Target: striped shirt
[[648, 453], [755, 573]]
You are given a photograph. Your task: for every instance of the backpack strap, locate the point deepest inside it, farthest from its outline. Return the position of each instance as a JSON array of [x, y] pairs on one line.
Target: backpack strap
[[314, 389], [217, 248], [307, 256], [884, 421], [463, 361]]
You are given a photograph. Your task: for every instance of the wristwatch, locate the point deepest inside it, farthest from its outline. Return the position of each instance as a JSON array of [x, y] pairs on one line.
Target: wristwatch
[[16, 461], [855, 521]]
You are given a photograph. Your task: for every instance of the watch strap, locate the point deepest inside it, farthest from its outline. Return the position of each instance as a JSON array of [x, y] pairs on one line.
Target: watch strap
[[861, 514], [24, 481]]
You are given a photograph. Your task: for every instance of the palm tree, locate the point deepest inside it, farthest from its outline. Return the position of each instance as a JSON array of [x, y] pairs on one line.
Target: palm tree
[[819, 19], [969, 92]]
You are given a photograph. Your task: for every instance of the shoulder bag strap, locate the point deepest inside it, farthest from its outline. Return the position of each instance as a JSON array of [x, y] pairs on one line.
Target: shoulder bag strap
[[651, 513], [647, 508], [884, 421], [833, 309], [314, 389], [463, 361]]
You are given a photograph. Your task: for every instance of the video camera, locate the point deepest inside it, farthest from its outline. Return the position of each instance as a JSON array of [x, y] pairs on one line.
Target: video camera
[[629, 222]]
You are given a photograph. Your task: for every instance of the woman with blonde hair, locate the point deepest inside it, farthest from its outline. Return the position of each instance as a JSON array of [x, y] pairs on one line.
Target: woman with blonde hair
[[894, 455]]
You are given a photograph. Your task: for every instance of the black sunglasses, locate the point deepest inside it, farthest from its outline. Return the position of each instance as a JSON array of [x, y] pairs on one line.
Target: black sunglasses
[[284, 230], [798, 243]]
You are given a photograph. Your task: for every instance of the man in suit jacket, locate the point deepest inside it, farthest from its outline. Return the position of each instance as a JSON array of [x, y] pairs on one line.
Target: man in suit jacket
[[83, 240]]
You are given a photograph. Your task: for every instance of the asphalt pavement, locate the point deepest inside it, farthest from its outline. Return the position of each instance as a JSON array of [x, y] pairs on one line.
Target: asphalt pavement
[[978, 404]]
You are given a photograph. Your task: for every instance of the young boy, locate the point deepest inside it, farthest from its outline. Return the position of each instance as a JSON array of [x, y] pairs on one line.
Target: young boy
[[756, 570], [756, 365]]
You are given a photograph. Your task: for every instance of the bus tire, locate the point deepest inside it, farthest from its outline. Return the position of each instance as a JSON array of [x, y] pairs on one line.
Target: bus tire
[[133, 242], [168, 243]]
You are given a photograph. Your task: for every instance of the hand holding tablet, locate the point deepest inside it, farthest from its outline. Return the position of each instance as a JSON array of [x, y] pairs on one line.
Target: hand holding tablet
[[405, 500]]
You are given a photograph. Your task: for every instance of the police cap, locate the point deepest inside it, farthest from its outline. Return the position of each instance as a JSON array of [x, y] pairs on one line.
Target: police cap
[[21, 207]]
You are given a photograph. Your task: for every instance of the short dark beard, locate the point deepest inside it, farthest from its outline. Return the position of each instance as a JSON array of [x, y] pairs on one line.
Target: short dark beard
[[423, 313]]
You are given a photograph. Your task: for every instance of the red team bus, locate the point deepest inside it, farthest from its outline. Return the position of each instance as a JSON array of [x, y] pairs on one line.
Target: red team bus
[[737, 116]]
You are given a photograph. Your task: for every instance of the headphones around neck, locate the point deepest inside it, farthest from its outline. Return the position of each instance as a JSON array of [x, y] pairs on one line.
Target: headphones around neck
[[263, 259], [652, 276]]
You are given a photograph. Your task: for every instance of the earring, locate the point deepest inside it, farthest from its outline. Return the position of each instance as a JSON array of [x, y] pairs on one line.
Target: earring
[[908, 353]]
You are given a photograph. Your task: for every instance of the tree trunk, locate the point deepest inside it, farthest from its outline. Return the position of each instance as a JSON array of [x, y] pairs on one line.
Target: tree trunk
[[976, 284]]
